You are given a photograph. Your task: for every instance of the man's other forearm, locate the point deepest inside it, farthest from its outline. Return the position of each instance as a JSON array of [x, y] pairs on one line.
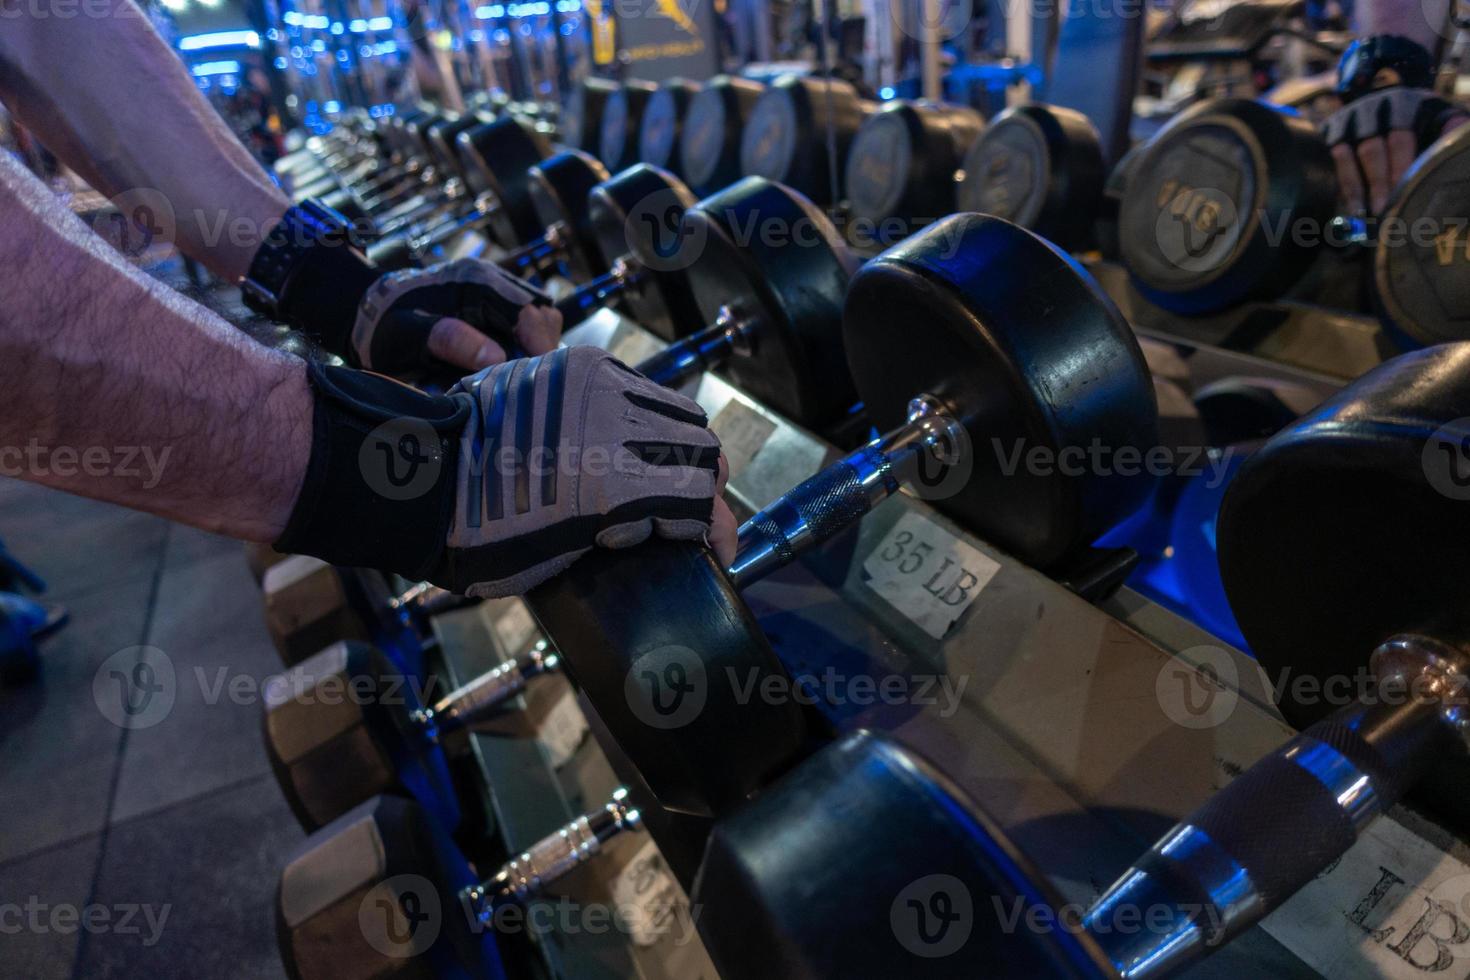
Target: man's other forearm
[[103, 91], [115, 387], [1424, 21]]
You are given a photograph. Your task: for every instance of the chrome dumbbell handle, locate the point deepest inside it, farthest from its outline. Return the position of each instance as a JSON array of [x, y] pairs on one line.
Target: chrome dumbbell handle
[[536, 255], [835, 498], [487, 694], [483, 213], [553, 857], [1273, 829], [424, 599], [626, 273], [732, 333]]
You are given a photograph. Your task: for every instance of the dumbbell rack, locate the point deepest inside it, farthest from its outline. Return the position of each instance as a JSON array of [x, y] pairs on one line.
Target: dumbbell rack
[[1059, 729], [1303, 337], [541, 771]]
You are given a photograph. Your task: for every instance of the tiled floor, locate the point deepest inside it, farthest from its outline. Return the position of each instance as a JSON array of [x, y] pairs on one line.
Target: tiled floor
[[175, 833]]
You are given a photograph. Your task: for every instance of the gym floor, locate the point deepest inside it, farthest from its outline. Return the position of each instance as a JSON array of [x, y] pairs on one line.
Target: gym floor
[[180, 822]]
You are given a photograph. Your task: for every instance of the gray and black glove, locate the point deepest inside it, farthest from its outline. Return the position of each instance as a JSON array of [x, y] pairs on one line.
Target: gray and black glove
[[1375, 139], [311, 273], [467, 314], [505, 480]]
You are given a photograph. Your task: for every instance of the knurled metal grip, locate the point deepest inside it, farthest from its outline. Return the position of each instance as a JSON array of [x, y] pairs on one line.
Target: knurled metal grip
[[550, 858], [625, 273], [487, 694], [672, 365], [1268, 833], [811, 513], [554, 856], [731, 333]]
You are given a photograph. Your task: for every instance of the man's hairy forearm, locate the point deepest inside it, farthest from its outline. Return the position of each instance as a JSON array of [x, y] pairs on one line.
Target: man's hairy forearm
[[106, 95], [113, 386], [1424, 21]]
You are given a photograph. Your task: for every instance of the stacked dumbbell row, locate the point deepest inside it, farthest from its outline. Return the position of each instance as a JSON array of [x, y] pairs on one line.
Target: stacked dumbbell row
[[774, 313], [922, 429], [1233, 199], [743, 777], [797, 368]]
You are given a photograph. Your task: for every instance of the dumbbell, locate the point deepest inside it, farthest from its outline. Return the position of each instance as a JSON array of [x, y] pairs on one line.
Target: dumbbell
[[396, 191], [622, 119], [971, 333], [405, 186], [339, 151], [1040, 166], [767, 271], [709, 152], [445, 183], [788, 135], [349, 723], [1420, 286], [1369, 579], [903, 164], [430, 173], [581, 123], [560, 188], [1234, 200], [442, 181], [1206, 222], [496, 159], [310, 604], [661, 131], [634, 215], [384, 891]]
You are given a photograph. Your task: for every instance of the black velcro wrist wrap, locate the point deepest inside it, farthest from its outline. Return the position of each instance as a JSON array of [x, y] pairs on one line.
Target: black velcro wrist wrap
[[380, 483], [320, 274], [322, 298]]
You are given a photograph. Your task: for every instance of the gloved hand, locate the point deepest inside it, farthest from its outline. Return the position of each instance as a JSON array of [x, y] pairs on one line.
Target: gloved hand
[[467, 314], [310, 272], [1375, 138], [509, 477]]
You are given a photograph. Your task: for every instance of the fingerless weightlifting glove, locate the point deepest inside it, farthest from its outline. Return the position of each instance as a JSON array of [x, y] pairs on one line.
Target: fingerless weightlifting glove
[[506, 479], [1376, 114], [311, 273]]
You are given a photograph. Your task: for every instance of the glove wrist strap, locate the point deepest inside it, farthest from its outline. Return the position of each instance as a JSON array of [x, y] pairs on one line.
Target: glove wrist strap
[[310, 274], [1357, 72], [380, 483]]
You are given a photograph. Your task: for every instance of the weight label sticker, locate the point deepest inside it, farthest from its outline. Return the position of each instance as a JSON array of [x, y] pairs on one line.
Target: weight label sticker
[[648, 899], [743, 432], [1394, 906], [927, 574], [514, 626], [631, 345], [563, 729]]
